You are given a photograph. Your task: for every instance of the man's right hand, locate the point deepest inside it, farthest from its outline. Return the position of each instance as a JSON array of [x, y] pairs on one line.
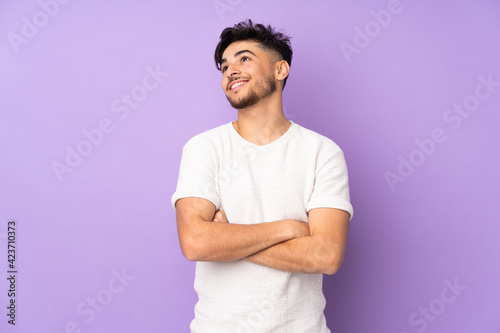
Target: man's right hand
[[203, 240], [297, 228]]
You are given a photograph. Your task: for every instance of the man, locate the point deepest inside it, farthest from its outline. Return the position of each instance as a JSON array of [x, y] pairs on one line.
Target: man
[[262, 203]]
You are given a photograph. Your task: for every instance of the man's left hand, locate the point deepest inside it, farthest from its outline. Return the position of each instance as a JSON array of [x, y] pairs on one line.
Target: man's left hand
[[220, 217]]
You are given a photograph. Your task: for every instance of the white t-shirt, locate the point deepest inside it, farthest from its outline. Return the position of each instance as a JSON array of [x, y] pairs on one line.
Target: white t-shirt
[[284, 179]]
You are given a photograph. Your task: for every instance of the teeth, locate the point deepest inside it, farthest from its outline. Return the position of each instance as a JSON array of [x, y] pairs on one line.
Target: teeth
[[237, 84]]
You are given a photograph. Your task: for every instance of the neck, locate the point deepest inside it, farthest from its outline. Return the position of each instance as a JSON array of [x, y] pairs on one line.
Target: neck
[[263, 122]]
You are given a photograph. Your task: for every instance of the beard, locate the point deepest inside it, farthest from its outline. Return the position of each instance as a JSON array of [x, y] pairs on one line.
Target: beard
[[262, 90]]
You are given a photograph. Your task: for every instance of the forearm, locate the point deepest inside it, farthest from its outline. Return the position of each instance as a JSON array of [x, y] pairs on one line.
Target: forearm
[[309, 254], [206, 235], [211, 241]]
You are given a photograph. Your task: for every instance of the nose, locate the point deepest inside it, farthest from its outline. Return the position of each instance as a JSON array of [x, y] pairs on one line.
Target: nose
[[232, 70]]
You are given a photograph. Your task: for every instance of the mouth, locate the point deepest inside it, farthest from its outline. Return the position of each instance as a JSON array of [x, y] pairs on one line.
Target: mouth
[[237, 84]]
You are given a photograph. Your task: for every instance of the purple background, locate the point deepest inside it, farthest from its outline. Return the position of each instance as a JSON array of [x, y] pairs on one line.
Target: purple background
[[112, 212]]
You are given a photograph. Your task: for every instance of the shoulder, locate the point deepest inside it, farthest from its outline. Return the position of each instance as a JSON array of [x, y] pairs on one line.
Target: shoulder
[[317, 140], [209, 139]]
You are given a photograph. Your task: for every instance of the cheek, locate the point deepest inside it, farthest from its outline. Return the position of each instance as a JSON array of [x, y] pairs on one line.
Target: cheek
[[260, 72]]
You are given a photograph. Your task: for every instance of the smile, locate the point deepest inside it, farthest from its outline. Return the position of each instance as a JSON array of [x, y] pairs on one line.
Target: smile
[[236, 84]]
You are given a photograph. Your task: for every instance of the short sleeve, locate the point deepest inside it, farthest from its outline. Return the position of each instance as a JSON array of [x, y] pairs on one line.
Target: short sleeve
[[197, 172], [331, 183]]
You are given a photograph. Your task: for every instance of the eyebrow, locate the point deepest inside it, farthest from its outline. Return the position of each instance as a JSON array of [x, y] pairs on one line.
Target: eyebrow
[[237, 54]]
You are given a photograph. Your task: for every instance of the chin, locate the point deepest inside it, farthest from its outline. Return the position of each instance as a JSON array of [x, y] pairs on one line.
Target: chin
[[244, 102]]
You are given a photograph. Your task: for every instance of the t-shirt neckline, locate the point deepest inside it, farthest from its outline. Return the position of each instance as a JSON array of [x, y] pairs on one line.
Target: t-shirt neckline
[[285, 135]]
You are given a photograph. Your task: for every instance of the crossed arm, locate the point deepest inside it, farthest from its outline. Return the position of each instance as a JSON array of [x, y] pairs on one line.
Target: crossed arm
[[290, 245]]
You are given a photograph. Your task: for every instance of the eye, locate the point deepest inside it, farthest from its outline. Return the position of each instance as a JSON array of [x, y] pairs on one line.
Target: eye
[[223, 69], [245, 58]]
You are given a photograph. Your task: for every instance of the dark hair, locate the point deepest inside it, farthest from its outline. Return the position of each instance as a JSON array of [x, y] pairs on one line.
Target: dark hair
[[267, 37]]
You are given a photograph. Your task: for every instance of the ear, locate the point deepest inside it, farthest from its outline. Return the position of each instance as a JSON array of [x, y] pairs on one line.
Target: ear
[[282, 70]]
